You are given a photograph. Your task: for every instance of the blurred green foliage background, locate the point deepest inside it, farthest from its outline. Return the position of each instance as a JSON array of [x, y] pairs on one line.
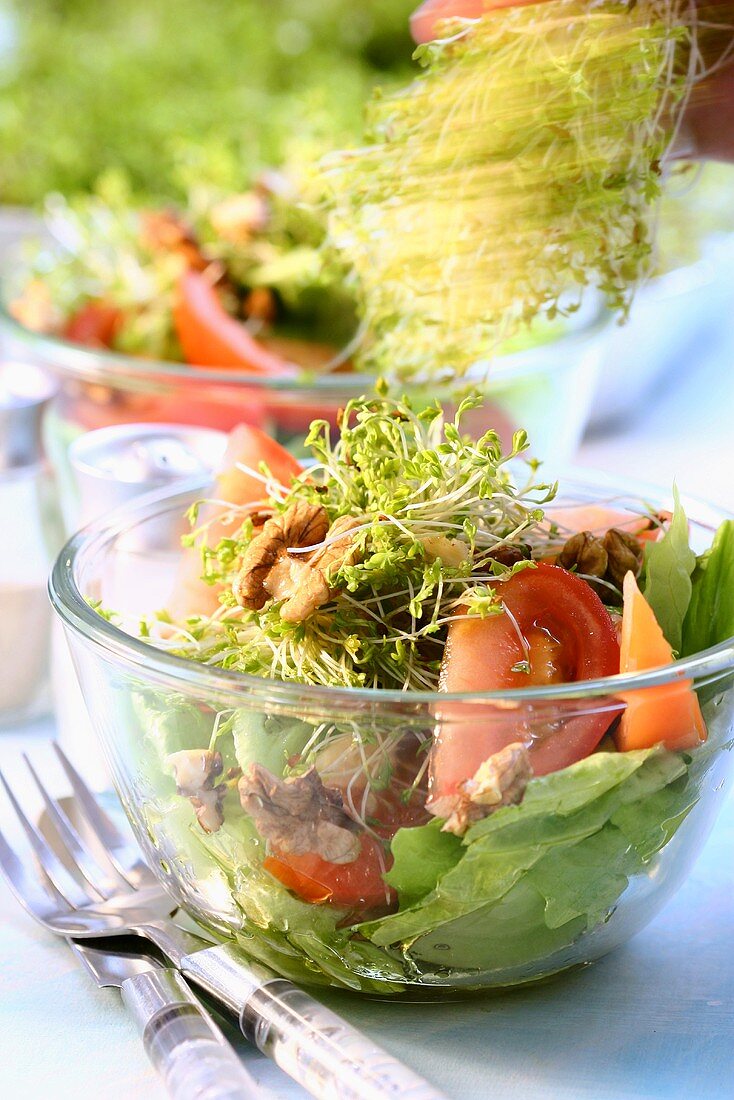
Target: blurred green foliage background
[[140, 85]]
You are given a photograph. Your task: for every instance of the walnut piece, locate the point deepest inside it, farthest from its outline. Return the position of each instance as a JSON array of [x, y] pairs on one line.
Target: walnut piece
[[195, 772], [510, 555], [300, 814], [339, 551], [586, 554], [499, 781], [608, 558], [299, 581], [625, 555], [301, 525]]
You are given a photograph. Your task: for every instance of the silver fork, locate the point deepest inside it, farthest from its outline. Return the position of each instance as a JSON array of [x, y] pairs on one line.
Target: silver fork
[[103, 888], [181, 1039], [106, 892]]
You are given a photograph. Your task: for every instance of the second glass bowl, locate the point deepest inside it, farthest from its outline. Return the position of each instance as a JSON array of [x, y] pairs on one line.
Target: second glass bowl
[[546, 389]]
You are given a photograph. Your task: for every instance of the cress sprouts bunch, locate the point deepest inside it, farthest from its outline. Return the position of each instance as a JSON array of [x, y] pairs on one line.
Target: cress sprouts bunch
[[520, 168], [435, 511]]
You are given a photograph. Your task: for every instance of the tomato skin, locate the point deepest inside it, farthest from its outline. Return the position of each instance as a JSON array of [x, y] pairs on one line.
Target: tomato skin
[[356, 885], [248, 446], [94, 325], [209, 337], [423, 21], [572, 637]]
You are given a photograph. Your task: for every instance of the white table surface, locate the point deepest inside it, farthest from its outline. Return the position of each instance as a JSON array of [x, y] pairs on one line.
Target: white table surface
[[653, 1020]]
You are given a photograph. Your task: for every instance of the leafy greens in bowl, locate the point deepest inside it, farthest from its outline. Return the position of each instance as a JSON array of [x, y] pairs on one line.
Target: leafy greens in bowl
[[458, 754]]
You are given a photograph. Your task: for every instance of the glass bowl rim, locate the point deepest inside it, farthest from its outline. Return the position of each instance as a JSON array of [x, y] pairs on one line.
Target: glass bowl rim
[[76, 613], [83, 363]]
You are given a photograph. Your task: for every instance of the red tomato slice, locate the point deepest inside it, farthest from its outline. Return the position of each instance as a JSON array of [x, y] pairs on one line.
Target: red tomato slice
[[249, 447], [94, 325], [209, 337], [554, 620], [357, 885], [423, 22]]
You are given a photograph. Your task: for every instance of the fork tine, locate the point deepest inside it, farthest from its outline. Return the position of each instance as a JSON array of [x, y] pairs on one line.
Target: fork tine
[[71, 843], [73, 893], [104, 828], [124, 856], [39, 898]]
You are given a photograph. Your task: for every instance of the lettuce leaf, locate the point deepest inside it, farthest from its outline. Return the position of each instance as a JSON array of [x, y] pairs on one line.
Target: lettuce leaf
[[666, 576], [269, 740], [422, 855], [710, 617], [544, 841]]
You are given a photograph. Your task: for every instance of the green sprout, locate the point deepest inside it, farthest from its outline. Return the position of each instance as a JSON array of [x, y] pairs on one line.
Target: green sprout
[[434, 506], [522, 167]]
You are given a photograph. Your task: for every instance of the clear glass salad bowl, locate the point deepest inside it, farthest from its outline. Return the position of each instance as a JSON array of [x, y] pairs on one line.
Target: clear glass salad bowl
[[583, 863], [546, 389]]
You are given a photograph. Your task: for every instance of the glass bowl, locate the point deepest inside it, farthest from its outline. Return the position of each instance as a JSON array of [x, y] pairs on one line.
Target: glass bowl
[[606, 844], [546, 389]]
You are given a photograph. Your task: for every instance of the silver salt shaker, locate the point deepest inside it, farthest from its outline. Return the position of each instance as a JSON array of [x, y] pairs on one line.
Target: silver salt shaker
[[31, 535], [114, 465]]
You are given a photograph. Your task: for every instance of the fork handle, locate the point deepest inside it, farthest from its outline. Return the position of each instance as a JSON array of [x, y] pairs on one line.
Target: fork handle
[[321, 1051], [182, 1041]]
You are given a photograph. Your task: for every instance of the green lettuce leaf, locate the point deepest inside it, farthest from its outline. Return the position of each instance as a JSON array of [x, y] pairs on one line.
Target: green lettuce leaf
[[422, 855], [267, 740], [666, 576], [710, 617], [543, 840]]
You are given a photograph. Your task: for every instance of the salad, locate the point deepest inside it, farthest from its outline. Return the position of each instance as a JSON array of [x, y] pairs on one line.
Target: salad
[[228, 280], [435, 840]]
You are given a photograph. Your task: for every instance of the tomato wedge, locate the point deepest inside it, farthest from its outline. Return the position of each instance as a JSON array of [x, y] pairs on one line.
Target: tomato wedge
[[249, 447], [209, 337], [94, 325], [357, 885], [558, 629]]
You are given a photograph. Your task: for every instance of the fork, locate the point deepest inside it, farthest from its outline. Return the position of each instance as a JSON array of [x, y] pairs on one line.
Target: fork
[[103, 888], [181, 1039], [107, 892]]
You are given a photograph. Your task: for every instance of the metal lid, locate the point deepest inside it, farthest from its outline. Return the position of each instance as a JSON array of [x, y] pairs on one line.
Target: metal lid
[[113, 465], [25, 391]]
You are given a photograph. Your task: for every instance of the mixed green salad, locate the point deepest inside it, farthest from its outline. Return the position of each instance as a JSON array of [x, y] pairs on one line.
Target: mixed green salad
[[228, 279], [374, 841]]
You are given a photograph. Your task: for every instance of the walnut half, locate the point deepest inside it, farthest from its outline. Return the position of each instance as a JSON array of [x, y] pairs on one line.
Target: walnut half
[[300, 815], [499, 781], [196, 772], [300, 581]]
